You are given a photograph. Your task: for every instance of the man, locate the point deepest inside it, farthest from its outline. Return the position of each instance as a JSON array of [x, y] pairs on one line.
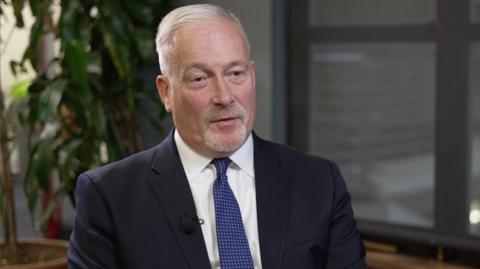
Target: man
[[213, 194]]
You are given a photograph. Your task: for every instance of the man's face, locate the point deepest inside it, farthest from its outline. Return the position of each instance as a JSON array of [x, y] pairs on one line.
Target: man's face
[[209, 87]]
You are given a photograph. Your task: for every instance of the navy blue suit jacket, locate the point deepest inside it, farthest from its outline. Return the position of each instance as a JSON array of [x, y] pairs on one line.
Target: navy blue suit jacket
[[128, 213]]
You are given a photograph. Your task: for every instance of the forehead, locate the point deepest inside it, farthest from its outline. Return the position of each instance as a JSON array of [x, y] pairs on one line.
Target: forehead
[[217, 41]]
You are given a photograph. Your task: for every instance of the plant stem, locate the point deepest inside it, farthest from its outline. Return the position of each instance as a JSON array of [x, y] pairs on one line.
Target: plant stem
[[7, 185]]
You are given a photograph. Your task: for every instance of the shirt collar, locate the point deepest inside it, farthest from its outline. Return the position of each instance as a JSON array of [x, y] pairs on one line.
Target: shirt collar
[[193, 162], [243, 157]]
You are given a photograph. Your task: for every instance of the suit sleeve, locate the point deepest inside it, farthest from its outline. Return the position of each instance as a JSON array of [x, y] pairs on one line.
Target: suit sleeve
[[92, 244], [346, 248]]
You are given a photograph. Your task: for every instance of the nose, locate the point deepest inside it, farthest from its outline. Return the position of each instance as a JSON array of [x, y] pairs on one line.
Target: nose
[[222, 93]]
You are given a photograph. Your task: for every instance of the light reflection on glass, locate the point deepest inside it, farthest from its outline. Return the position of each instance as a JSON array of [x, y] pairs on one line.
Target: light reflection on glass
[[475, 213], [474, 184]]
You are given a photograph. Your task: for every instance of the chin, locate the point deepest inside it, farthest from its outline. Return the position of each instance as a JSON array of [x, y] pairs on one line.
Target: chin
[[225, 142]]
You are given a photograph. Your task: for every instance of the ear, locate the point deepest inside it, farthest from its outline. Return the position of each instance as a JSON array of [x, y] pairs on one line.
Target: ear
[[163, 88]]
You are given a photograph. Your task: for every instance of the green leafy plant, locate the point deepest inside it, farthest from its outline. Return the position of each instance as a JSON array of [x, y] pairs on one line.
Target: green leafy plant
[[83, 104]]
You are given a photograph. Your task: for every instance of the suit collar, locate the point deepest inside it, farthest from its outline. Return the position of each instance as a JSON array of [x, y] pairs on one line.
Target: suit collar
[[172, 191], [272, 184], [166, 154]]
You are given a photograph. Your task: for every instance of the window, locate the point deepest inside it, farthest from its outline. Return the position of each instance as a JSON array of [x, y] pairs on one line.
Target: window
[[390, 91], [372, 111]]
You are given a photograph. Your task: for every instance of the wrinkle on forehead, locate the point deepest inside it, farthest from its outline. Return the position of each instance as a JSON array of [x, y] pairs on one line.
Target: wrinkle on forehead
[[176, 53]]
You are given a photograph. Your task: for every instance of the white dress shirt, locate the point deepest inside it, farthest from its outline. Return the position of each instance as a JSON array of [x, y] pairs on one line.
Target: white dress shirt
[[201, 174]]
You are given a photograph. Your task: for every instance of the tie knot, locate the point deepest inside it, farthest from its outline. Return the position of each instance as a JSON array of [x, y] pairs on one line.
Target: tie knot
[[221, 164]]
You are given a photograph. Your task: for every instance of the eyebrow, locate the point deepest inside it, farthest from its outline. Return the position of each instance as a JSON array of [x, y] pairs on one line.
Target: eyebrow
[[238, 63], [206, 67]]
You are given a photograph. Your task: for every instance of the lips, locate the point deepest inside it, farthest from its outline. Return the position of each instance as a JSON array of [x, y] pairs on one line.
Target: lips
[[225, 119], [226, 122]]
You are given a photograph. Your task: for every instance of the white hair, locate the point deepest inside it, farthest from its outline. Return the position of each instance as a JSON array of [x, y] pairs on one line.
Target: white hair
[[191, 14]]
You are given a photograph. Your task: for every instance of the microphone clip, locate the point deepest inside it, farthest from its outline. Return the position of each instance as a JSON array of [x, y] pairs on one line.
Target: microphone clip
[[187, 223]]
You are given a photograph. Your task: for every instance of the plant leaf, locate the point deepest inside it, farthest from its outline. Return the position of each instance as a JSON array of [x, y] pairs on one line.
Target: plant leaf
[[68, 24], [49, 101], [35, 7], [20, 90], [76, 60], [43, 160], [31, 53], [115, 28], [17, 11]]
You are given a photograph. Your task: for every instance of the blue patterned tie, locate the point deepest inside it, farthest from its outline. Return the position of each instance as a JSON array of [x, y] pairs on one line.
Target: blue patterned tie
[[231, 238]]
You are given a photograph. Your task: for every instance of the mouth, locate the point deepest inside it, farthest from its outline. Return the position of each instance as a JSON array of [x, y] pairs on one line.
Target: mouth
[[226, 119], [225, 122]]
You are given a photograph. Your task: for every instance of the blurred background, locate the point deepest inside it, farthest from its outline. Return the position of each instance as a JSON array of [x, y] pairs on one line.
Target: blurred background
[[389, 90]]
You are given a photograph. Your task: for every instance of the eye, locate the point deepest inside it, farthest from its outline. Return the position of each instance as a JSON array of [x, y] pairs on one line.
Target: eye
[[196, 81], [237, 76]]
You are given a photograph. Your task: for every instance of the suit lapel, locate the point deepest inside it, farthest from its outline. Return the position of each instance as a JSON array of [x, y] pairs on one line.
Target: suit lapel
[[273, 204], [174, 195]]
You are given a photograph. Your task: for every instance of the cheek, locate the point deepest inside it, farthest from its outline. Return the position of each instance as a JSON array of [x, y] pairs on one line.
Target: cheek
[[193, 106], [248, 101]]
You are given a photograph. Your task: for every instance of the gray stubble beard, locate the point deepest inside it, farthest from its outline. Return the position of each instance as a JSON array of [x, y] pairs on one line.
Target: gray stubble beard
[[241, 134]]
